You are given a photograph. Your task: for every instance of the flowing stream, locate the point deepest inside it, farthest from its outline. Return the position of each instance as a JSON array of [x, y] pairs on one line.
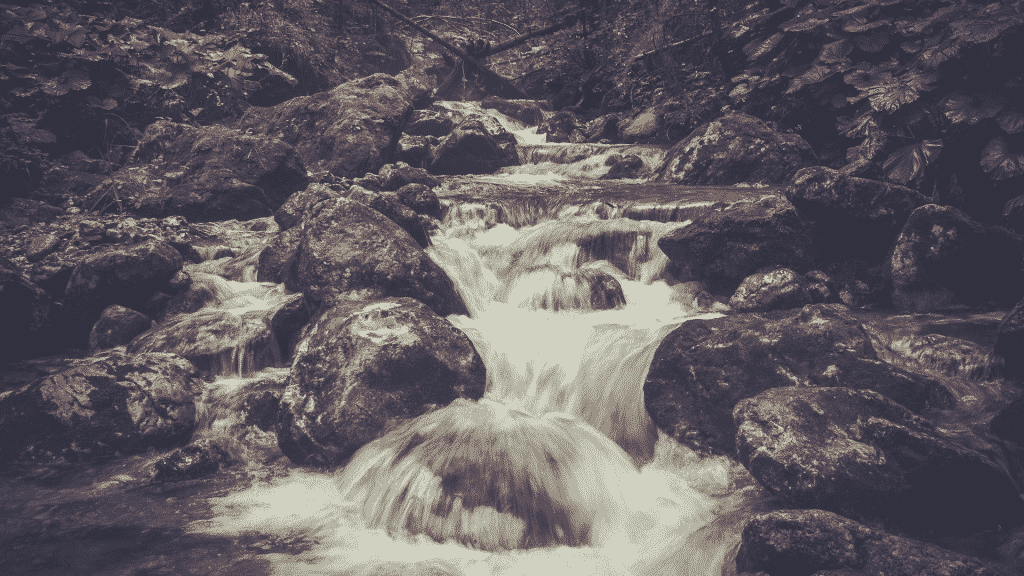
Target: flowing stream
[[569, 298]]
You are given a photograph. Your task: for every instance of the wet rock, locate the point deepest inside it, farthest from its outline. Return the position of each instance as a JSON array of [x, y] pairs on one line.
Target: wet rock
[[205, 174], [560, 126], [116, 327], [41, 247], [125, 275], [349, 130], [736, 148], [287, 322], [550, 288], [1009, 344], [528, 112], [364, 368], [628, 166], [704, 367], [388, 204], [473, 148], [26, 312], [104, 405], [643, 128], [1013, 215], [293, 210], [216, 341], [776, 289], [434, 121], [821, 542], [824, 289], [858, 452], [197, 460], [721, 248], [350, 251], [415, 150], [204, 290], [857, 217], [395, 176], [604, 128], [275, 259], [421, 199], [943, 258]]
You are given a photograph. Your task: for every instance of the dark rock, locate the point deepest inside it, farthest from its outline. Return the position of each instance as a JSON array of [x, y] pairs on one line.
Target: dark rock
[[855, 216], [703, 367], [116, 327], [421, 199], [795, 542], [529, 112], [292, 211], [364, 368], [26, 312], [1009, 344], [395, 176], [109, 404], [857, 452], [824, 289], [415, 150], [287, 322], [388, 204], [275, 259], [473, 148], [215, 341], [349, 130], [434, 121], [943, 258], [23, 211], [722, 248], [205, 174], [197, 460], [604, 128], [1013, 215], [41, 247], [628, 166], [733, 149], [349, 250], [125, 275], [204, 290], [560, 126], [776, 289]]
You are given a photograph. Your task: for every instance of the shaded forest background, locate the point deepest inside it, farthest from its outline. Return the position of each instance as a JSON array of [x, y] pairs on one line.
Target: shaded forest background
[[926, 93]]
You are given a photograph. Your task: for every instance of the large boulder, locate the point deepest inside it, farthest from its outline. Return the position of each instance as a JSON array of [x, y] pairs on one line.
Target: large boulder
[[128, 275], [721, 248], [25, 309], [704, 367], [785, 542], [473, 148], [205, 174], [528, 112], [775, 289], [362, 369], [857, 217], [389, 204], [733, 149], [561, 126], [349, 130], [116, 327], [294, 209], [109, 404], [350, 251], [943, 258], [858, 452]]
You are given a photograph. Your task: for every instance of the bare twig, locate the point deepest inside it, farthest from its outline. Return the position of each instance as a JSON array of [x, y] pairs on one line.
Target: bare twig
[[425, 18]]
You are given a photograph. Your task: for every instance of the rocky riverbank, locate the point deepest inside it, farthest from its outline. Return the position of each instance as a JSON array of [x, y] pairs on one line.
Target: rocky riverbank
[[109, 333]]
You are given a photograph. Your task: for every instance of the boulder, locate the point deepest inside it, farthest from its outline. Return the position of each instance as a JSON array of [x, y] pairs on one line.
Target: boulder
[[721, 248], [421, 199], [294, 209], [197, 460], [276, 259], [643, 128], [362, 369], [388, 204], [943, 258], [26, 312], [472, 148], [435, 121], [821, 542], [217, 342], [349, 130], [41, 246], [703, 367], [395, 176], [116, 327], [560, 127], [205, 174], [858, 452], [733, 149], [776, 289], [604, 128], [415, 150], [528, 112], [102, 406], [628, 166], [1009, 344], [856, 217], [350, 251], [128, 275]]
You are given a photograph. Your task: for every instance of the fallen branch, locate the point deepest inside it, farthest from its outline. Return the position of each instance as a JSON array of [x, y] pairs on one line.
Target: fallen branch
[[431, 17], [569, 21], [672, 45]]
